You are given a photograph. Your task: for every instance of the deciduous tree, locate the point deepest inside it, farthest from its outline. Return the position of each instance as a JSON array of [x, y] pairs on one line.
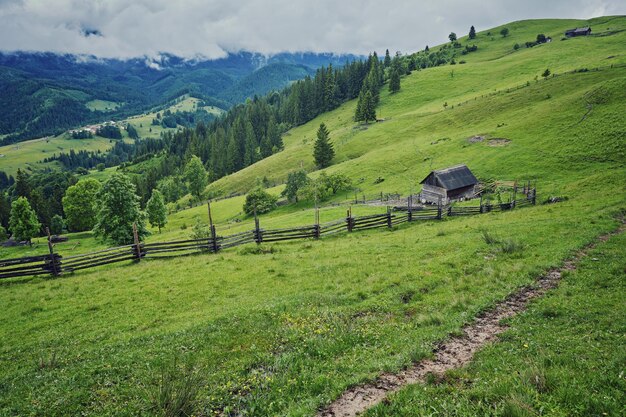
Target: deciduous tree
[[80, 205], [118, 209], [156, 210], [196, 176], [23, 223]]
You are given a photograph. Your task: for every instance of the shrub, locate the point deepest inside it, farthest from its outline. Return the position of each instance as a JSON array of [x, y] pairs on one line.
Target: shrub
[[200, 230], [260, 199]]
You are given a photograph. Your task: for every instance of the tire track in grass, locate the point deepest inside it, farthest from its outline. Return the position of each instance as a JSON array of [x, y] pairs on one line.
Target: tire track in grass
[[456, 351]]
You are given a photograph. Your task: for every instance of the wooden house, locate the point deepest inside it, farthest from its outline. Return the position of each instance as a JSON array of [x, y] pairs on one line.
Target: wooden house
[[448, 184], [570, 33]]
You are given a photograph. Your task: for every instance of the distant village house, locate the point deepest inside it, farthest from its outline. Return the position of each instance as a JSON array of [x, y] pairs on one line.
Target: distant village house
[[586, 31], [448, 184]]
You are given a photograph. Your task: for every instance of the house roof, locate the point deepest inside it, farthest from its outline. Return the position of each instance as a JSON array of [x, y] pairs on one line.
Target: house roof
[[578, 30], [451, 178]]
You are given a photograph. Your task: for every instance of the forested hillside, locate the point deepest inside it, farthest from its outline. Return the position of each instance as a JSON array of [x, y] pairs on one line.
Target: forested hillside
[[44, 94]]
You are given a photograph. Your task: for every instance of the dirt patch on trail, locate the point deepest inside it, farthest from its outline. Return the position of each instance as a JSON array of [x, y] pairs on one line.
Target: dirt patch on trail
[[498, 142], [457, 351]]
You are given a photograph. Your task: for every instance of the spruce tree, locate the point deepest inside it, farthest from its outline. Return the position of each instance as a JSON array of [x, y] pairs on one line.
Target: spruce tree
[[394, 81], [156, 210], [358, 114], [472, 33], [387, 60], [323, 151], [369, 107]]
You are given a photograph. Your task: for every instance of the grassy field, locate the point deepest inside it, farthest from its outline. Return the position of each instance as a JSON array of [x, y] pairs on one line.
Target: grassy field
[[102, 105], [283, 329], [29, 154], [563, 357]]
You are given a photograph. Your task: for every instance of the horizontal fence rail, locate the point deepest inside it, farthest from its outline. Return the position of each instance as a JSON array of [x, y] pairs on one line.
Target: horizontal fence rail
[[55, 264]]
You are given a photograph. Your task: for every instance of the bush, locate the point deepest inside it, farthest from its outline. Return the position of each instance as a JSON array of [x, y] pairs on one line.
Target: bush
[[200, 230], [260, 199], [56, 225], [100, 167]]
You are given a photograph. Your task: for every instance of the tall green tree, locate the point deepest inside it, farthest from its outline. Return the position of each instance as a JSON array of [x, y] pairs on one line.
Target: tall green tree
[[387, 60], [504, 32], [118, 209], [57, 224], [81, 206], [196, 176], [156, 210], [394, 81], [452, 36], [366, 108], [323, 150], [22, 186], [296, 180], [23, 224], [472, 33]]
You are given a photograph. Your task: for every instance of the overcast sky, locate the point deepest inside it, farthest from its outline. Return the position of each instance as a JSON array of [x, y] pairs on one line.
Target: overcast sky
[[208, 28]]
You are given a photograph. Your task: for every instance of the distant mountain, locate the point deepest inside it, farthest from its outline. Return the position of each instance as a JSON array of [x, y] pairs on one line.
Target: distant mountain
[[45, 93]]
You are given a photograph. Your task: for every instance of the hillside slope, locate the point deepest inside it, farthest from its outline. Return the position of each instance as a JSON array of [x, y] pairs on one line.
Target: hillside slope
[[283, 329]]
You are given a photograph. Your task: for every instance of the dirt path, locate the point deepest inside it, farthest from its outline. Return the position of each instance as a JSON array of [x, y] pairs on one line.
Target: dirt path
[[457, 351]]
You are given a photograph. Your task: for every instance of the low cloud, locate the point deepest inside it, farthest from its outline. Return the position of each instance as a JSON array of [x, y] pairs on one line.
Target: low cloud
[[211, 28]]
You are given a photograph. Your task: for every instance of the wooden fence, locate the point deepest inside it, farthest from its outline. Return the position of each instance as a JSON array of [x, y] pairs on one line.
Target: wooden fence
[[55, 264]]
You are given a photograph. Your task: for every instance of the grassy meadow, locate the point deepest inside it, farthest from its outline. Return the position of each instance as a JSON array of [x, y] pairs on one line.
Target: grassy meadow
[[282, 329]]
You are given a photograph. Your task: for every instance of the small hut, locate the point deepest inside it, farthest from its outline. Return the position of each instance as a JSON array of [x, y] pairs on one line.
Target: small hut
[[570, 33], [448, 184]]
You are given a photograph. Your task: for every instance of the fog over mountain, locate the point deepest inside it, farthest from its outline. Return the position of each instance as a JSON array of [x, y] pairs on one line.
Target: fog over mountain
[[210, 29]]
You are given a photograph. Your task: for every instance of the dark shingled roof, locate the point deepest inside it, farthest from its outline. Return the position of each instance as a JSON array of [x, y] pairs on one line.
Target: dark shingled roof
[[451, 178]]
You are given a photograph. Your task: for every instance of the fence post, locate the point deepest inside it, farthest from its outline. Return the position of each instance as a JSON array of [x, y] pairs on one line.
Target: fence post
[[316, 227], [439, 211], [258, 237], [534, 196], [389, 217], [481, 203], [137, 244], [53, 261], [349, 219], [514, 195], [212, 227], [410, 214]]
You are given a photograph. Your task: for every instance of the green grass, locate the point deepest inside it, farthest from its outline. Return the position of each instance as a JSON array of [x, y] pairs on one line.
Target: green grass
[[103, 105], [563, 357], [285, 329], [29, 154]]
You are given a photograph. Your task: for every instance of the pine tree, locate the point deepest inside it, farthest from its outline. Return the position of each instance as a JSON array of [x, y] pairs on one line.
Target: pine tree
[[394, 81], [472, 33], [387, 60], [368, 107], [266, 147], [23, 223], [358, 114], [323, 151], [156, 210], [22, 187]]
